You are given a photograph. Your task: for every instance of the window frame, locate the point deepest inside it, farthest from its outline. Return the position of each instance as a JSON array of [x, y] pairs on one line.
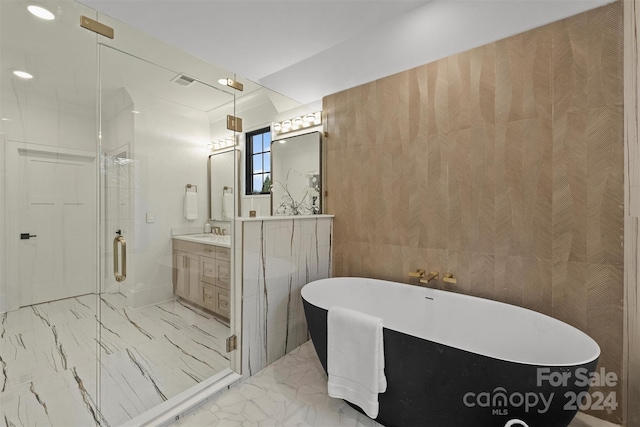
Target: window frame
[[249, 161]]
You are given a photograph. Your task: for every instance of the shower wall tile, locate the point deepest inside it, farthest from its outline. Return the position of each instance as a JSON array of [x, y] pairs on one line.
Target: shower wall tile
[[502, 165], [279, 257]]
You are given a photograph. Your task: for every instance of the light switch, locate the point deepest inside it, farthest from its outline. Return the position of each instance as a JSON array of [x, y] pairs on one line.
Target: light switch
[[151, 217]]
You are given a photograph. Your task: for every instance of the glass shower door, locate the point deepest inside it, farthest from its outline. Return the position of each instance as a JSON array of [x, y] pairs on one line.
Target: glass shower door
[[160, 336], [48, 238]]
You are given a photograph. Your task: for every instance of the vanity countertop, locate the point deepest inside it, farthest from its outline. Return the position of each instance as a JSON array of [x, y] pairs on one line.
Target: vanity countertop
[[283, 217], [207, 239]]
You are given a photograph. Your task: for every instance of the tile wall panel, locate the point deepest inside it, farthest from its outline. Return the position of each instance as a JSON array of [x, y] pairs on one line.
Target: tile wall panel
[[502, 164]]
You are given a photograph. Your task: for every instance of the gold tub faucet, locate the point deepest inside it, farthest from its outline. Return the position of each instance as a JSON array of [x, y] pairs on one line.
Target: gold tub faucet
[[433, 275], [418, 273]]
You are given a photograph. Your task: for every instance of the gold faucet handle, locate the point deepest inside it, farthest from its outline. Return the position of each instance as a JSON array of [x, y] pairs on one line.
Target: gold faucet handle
[[448, 278], [433, 275], [417, 273]]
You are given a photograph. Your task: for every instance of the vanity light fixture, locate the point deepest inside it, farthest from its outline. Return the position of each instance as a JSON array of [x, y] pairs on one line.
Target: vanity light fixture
[[23, 74], [41, 12], [296, 123], [222, 143], [223, 82]]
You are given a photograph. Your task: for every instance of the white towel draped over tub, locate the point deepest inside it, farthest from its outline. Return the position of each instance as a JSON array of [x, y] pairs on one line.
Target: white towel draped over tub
[[355, 358], [191, 205]]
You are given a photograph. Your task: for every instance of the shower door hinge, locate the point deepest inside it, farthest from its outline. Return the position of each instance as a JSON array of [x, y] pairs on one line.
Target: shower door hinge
[[231, 343], [96, 27], [234, 123], [235, 84]]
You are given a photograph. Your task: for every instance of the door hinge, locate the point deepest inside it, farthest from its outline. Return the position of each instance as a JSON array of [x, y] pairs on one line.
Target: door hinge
[[235, 84], [96, 27], [232, 343], [234, 123]]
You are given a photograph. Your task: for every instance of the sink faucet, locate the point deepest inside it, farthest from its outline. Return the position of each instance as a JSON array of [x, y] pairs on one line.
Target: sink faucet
[[216, 230]]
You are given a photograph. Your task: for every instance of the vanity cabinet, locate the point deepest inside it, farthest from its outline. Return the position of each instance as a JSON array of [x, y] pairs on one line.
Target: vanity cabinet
[[201, 274], [186, 280]]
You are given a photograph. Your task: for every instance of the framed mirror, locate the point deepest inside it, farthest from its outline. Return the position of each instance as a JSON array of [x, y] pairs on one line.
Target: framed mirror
[[296, 187]]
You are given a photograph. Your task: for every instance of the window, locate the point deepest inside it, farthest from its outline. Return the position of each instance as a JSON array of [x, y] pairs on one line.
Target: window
[[258, 149]]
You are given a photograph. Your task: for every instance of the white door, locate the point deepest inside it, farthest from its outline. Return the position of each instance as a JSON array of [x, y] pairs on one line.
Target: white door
[[52, 222]]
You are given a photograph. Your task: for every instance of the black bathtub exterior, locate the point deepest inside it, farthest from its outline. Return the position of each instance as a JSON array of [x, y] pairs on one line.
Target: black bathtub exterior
[[427, 383]]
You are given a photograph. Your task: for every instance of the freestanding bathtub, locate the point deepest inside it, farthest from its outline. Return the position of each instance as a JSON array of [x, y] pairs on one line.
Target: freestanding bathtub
[[454, 360]]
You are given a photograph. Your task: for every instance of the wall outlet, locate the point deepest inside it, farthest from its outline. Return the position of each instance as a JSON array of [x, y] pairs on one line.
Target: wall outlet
[[151, 217]]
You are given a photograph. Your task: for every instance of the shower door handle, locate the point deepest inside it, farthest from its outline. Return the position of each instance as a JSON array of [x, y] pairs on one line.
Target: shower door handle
[[120, 276]]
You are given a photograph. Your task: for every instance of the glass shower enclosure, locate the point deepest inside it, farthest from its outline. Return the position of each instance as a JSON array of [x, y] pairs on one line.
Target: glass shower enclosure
[[99, 150]]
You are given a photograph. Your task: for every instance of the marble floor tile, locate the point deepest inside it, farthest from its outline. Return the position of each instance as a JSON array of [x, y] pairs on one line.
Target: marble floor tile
[[49, 359], [292, 392]]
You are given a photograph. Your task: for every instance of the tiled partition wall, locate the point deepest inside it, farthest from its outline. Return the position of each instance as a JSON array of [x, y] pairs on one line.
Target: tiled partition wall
[[502, 165], [279, 257]]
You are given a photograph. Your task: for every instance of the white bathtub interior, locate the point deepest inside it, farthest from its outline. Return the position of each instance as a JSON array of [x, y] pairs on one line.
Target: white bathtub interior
[[477, 325]]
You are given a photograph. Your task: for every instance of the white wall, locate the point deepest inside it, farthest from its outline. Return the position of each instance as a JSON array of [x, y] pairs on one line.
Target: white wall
[[170, 151]]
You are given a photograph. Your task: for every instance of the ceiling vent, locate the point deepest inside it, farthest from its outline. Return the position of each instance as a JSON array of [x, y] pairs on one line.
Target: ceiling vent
[[183, 80]]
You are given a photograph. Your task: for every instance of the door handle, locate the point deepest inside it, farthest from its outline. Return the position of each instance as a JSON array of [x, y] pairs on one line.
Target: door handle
[[120, 276], [26, 236]]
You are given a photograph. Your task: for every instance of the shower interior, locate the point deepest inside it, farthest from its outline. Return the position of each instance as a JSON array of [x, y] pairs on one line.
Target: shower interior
[[100, 144]]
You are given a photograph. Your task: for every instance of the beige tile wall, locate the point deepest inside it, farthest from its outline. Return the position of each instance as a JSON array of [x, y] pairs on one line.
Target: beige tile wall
[[502, 165]]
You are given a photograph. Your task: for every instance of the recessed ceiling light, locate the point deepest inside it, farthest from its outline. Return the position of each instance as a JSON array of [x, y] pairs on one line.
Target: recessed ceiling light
[[135, 111], [41, 12], [23, 74], [223, 82], [4, 119], [282, 141]]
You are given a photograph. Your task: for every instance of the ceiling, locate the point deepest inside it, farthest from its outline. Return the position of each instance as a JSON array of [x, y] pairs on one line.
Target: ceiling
[[303, 49], [306, 49]]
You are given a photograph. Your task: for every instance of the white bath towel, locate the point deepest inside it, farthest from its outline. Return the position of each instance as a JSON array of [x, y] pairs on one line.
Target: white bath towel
[[355, 358], [227, 205], [191, 206]]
